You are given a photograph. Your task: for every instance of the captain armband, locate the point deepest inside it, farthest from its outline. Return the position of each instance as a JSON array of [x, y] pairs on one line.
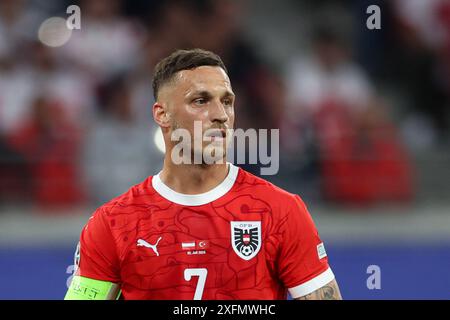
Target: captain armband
[[83, 288]]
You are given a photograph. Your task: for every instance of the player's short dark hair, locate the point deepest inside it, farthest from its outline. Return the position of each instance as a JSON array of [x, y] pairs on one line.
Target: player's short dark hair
[[182, 60]]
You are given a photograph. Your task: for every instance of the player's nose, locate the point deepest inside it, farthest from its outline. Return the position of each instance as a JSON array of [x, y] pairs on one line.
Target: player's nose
[[218, 112]]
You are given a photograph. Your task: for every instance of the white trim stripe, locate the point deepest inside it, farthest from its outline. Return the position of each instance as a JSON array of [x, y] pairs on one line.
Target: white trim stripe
[[197, 199], [312, 285]]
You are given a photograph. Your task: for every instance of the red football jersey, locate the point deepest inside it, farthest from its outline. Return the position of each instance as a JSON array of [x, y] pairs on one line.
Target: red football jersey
[[244, 239]]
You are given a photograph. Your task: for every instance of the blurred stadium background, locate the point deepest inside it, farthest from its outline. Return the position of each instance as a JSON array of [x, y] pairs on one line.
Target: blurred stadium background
[[363, 117]]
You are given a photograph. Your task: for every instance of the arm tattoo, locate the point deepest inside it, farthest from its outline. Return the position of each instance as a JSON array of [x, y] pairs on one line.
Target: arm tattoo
[[329, 291]]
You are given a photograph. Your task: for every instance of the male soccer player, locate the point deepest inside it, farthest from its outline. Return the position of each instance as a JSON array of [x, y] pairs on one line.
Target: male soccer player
[[198, 230]]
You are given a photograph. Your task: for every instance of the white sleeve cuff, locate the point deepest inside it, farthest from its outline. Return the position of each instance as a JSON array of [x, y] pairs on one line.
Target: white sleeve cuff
[[312, 285]]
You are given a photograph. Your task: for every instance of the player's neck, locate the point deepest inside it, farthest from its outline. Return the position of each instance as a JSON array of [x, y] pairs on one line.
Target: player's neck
[[193, 178]]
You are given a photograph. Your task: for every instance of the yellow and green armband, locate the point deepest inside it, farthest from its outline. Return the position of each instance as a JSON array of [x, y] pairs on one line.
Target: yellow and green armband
[[83, 288]]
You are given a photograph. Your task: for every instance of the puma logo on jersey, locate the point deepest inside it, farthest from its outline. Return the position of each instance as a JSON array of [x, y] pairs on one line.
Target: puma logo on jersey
[[143, 243]]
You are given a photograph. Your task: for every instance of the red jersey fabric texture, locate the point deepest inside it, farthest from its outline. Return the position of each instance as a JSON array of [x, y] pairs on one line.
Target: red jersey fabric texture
[[245, 239]]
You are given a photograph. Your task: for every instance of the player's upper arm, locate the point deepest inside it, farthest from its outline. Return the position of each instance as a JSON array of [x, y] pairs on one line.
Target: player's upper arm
[[303, 262], [97, 271], [330, 291], [98, 251]]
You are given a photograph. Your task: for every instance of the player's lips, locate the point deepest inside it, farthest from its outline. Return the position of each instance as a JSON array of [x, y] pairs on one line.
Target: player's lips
[[218, 134]]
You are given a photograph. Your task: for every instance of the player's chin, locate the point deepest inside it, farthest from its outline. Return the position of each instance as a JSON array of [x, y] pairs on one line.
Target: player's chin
[[214, 153]]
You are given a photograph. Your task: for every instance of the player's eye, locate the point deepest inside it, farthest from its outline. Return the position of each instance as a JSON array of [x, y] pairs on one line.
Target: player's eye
[[200, 101], [227, 102]]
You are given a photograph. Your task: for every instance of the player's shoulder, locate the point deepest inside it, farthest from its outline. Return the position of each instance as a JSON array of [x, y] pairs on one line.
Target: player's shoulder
[[268, 190], [137, 195]]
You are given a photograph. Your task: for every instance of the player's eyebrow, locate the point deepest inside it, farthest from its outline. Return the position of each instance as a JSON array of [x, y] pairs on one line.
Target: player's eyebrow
[[228, 94], [207, 94], [202, 93]]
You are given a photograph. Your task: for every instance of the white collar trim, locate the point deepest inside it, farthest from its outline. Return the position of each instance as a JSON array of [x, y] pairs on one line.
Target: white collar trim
[[196, 199]]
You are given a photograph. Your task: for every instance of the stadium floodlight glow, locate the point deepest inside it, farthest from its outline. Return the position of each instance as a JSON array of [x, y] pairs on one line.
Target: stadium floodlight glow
[[158, 139], [53, 32]]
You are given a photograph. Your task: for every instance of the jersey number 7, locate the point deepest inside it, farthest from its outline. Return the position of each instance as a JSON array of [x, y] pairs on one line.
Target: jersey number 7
[[201, 273]]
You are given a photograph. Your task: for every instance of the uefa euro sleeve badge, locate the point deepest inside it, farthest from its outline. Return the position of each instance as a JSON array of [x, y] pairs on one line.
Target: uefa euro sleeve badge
[[246, 238]]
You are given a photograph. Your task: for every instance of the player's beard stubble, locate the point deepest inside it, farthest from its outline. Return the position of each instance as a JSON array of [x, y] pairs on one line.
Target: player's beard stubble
[[197, 146]]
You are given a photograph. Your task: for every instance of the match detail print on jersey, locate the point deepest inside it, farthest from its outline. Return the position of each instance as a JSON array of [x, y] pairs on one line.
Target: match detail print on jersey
[[246, 238]]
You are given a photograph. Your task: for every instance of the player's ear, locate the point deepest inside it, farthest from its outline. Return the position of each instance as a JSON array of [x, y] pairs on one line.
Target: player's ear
[[161, 115]]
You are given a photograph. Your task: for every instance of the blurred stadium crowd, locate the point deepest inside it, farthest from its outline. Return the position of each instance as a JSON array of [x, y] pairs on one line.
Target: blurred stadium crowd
[[352, 105]]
